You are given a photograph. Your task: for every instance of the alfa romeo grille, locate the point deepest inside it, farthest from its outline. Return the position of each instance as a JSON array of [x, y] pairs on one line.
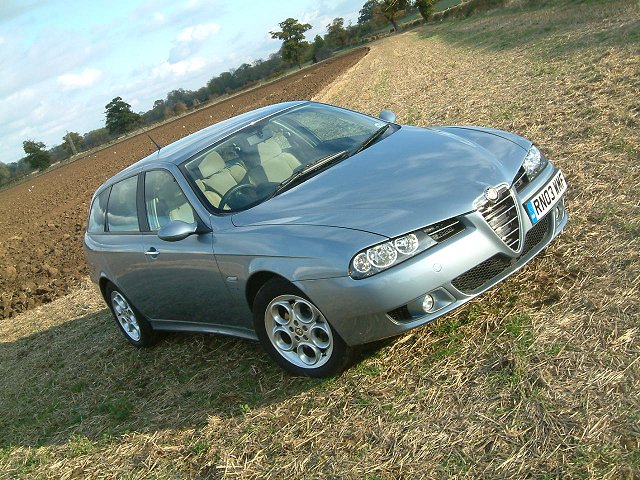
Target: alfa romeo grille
[[502, 216]]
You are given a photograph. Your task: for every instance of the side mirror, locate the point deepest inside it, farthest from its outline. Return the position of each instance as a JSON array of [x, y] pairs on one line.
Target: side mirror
[[387, 116], [177, 230]]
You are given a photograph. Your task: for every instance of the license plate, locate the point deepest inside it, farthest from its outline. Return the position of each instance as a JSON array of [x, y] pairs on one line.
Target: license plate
[[543, 201]]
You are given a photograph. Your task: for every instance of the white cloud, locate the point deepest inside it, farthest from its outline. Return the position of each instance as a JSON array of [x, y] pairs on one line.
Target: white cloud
[[88, 77], [198, 32], [191, 40], [178, 69], [2, 40]]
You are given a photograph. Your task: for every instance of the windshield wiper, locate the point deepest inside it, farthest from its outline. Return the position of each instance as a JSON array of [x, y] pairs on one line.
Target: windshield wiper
[[376, 135], [304, 170]]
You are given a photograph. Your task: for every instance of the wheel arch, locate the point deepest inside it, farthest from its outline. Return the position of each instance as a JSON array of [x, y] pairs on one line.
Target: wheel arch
[[255, 283], [102, 283]]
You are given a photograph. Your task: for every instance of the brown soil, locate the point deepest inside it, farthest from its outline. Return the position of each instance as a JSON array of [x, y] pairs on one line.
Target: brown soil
[[42, 220]]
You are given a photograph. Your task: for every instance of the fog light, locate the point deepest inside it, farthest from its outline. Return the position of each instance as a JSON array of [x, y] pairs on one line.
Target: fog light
[[427, 303], [558, 212]]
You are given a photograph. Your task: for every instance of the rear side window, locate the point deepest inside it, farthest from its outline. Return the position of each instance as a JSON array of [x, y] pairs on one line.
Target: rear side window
[[122, 213], [98, 212], [165, 200]]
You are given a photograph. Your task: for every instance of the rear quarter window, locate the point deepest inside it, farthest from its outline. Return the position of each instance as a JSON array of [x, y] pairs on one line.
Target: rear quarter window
[[98, 212], [122, 211]]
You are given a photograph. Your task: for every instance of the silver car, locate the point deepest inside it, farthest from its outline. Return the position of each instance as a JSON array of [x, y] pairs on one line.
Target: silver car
[[313, 229]]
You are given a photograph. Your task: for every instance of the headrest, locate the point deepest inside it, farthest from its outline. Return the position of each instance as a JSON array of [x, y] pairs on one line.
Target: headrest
[[268, 150], [210, 164]]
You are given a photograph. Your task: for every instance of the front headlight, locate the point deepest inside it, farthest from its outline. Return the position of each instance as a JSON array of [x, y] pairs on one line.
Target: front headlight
[[534, 162], [382, 256]]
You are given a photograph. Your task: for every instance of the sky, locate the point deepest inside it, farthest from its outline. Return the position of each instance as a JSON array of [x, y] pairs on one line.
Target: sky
[[62, 61]]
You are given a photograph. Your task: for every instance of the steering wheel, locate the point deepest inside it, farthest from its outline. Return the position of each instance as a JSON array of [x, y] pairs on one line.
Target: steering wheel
[[235, 191]]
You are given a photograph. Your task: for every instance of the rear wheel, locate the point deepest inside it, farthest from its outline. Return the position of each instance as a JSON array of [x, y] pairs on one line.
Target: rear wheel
[[135, 327], [296, 333]]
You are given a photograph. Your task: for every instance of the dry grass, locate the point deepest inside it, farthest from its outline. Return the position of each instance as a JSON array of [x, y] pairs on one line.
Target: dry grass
[[537, 378]]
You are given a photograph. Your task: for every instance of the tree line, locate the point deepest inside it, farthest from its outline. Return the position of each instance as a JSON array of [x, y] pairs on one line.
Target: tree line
[[374, 16]]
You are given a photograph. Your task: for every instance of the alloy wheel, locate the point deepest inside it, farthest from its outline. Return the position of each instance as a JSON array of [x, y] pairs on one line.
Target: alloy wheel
[[298, 331], [125, 316]]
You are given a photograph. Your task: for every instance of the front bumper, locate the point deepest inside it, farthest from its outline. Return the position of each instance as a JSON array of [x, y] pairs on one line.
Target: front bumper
[[454, 272]]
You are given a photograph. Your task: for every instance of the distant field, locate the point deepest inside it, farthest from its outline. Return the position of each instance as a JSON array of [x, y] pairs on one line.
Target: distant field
[[439, 6], [444, 4], [537, 378]]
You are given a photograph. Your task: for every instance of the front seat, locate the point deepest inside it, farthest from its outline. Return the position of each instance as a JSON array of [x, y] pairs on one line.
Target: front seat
[[275, 165], [217, 179]]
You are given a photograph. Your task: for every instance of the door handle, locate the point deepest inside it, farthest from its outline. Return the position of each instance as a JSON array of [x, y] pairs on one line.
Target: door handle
[[152, 252]]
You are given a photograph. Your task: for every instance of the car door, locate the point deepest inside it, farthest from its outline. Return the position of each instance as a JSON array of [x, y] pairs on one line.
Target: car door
[[120, 245], [181, 281]]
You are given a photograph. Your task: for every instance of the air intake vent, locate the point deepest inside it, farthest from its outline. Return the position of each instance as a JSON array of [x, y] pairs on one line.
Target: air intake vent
[[446, 229], [502, 216], [478, 276]]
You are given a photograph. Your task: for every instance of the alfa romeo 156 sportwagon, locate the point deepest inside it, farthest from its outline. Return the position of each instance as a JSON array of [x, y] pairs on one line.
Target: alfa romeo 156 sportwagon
[[314, 229]]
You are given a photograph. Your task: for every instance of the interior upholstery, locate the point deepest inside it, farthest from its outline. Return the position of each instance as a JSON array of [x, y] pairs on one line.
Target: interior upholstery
[[217, 179], [212, 163], [184, 212], [275, 165]]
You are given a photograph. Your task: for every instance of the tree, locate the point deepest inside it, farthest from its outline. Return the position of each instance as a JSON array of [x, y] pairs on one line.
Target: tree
[[119, 117], [366, 12], [5, 174], [37, 156], [426, 8], [19, 168], [201, 95], [390, 10], [72, 142], [336, 34], [179, 108], [96, 137], [178, 96], [293, 43], [57, 153], [156, 113], [319, 50], [357, 31], [318, 43]]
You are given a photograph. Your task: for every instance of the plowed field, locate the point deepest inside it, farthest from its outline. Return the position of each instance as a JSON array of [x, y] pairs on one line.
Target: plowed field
[[42, 220]]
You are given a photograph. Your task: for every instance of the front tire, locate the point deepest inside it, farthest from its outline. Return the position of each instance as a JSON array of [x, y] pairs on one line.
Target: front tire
[[296, 333], [134, 326]]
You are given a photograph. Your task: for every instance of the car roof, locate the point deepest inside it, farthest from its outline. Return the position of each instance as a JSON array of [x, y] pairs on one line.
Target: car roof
[[188, 146]]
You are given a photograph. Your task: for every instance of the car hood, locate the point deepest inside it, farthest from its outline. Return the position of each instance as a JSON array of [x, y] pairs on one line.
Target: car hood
[[410, 179]]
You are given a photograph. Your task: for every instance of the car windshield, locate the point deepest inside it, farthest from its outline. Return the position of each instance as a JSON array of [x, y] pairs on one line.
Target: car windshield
[[279, 152]]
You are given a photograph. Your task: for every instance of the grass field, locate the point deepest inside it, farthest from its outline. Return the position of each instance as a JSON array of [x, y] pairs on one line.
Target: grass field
[[444, 4], [537, 378]]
